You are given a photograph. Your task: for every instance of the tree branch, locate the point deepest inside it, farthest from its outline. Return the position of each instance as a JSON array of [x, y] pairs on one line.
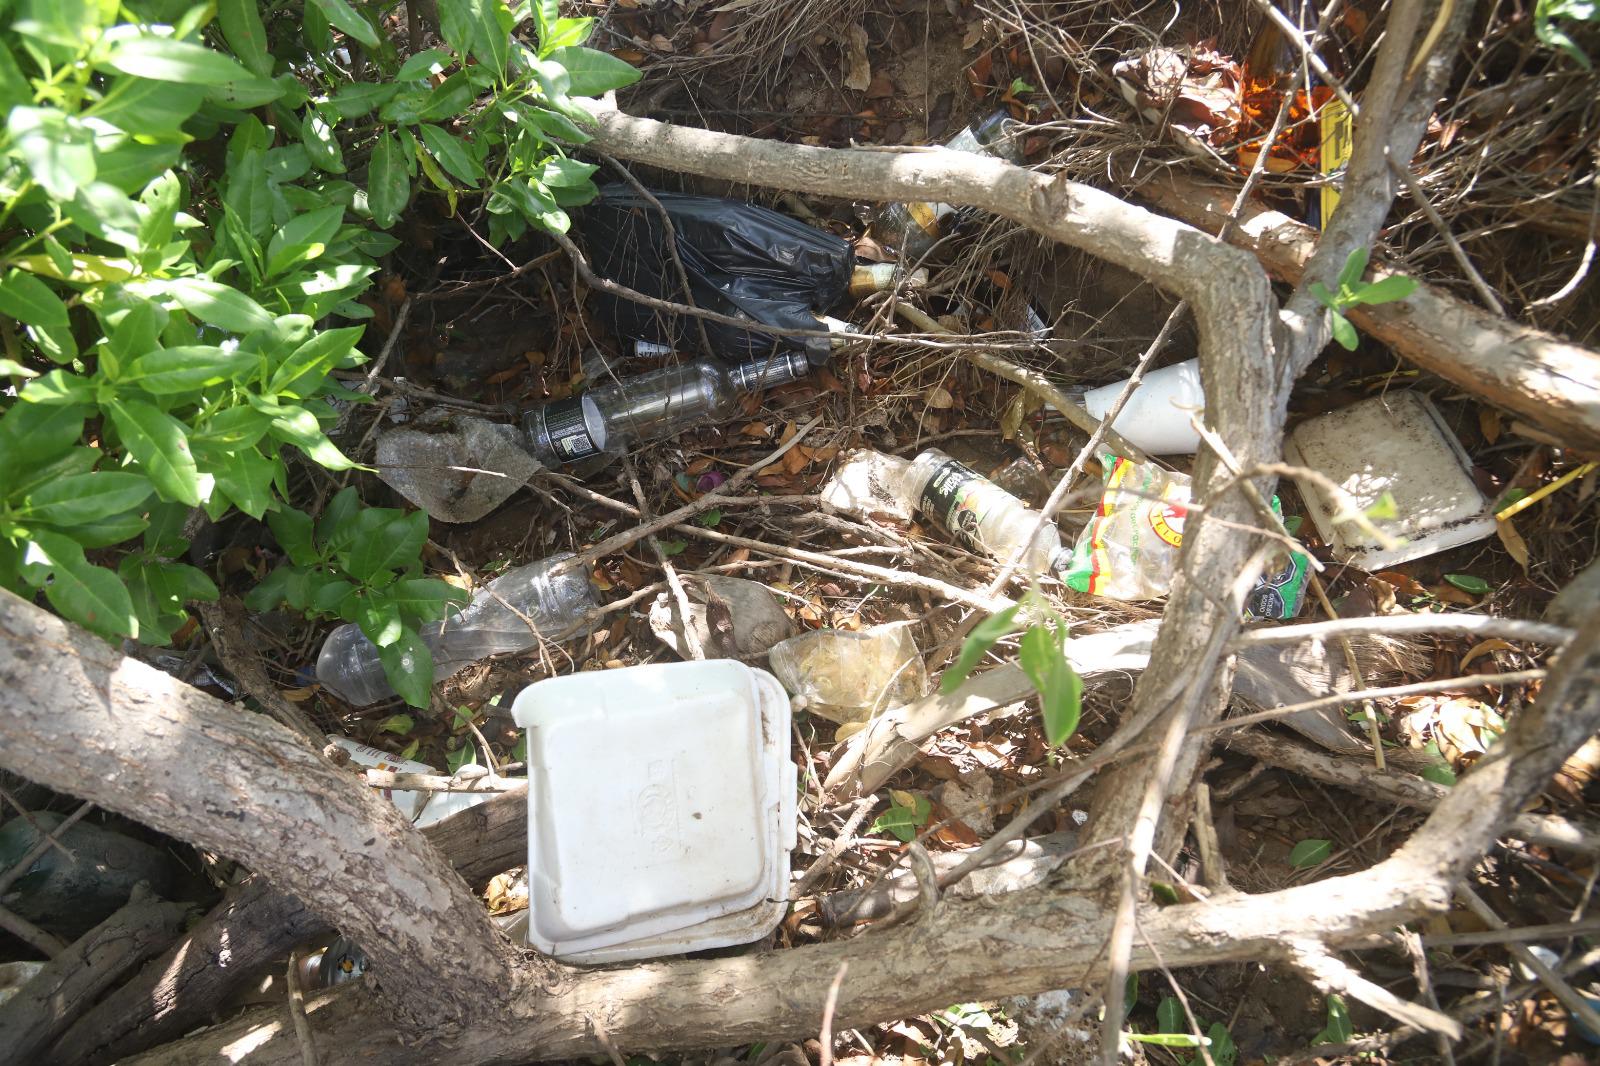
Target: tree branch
[[141, 743]]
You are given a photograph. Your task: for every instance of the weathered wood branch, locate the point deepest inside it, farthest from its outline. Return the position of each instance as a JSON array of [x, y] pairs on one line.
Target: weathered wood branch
[[255, 925], [141, 743], [50, 1002], [1552, 383]]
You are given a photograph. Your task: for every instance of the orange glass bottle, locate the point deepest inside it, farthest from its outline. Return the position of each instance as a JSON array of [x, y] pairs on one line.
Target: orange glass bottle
[[1270, 67]]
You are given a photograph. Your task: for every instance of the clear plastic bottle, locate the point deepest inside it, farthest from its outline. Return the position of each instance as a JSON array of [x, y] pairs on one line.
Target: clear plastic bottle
[[496, 621], [915, 228], [618, 415], [978, 513]]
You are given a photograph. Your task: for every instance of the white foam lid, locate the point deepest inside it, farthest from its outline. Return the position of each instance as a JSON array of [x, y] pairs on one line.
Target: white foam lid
[[660, 802]]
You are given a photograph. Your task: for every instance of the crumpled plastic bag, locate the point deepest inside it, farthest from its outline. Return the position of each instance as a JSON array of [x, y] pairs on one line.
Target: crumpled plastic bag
[[742, 260], [455, 467], [1129, 549]]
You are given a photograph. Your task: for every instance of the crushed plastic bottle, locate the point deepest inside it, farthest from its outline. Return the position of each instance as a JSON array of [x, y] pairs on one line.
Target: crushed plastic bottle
[[849, 677], [618, 415], [915, 228], [978, 513], [512, 613]]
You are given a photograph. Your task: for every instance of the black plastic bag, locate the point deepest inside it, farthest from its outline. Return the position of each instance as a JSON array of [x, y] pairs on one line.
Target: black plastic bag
[[742, 260]]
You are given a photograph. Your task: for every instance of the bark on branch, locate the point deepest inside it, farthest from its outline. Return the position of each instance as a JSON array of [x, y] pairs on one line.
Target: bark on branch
[[1552, 383], [141, 743]]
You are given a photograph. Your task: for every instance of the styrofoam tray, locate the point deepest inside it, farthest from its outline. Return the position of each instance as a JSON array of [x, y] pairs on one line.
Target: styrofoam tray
[[661, 809], [1398, 444]]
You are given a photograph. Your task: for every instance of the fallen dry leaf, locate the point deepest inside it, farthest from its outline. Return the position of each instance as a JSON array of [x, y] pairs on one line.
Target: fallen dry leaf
[[661, 44], [1484, 648], [858, 71], [754, 429], [1515, 546], [1489, 424], [939, 398], [298, 695]]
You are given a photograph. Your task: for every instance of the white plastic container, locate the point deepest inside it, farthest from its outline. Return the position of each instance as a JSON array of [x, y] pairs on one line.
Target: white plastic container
[[422, 808], [1396, 444], [661, 809], [1156, 417]]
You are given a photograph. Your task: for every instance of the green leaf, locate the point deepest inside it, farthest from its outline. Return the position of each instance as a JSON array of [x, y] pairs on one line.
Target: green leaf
[[164, 535], [336, 528], [1468, 583], [556, 125], [246, 479], [161, 444], [1386, 290], [398, 724], [1223, 1050], [160, 591], [168, 371], [27, 299], [297, 426], [379, 620], [452, 154], [1044, 660], [149, 108], [293, 531], [1169, 1016], [1439, 774], [218, 304], [270, 591], [343, 17], [903, 821], [427, 62], [58, 149], [322, 143], [981, 639], [12, 369], [712, 518], [425, 599], [670, 548], [163, 59], [388, 186], [306, 368], [30, 434], [293, 243], [562, 33], [1324, 297], [1308, 853], [1018, 87], [330, 595], [1165, 1039], [1339, 1029], [1343, 331], [359, 99], [1384, 508], [86, 497], [92, 596], [592, 73], [562, 172], [408, 664], [449, 99], [1354, 266], [59, 389], [456, 758], [232, 428], [395, 545], [246, 35]]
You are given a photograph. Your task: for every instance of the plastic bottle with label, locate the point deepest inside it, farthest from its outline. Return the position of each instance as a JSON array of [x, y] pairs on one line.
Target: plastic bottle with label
[[618, 415], [513, 612], [978, 513], [915, 228]]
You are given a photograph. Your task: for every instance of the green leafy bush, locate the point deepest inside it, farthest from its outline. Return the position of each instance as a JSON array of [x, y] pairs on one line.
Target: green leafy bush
[[1354, 292], [360, 564], [192, 198]]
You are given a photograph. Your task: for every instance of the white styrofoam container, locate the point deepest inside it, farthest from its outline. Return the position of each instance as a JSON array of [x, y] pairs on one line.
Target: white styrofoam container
[[661, 809], [1395, 443]]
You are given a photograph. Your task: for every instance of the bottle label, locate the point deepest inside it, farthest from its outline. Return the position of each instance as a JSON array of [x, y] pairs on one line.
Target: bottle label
[[760, 374], [569, 434], [956, 497]]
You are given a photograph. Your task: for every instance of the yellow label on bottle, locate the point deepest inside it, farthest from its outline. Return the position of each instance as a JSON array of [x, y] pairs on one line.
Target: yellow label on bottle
[[924, 215], [1337, 140]]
